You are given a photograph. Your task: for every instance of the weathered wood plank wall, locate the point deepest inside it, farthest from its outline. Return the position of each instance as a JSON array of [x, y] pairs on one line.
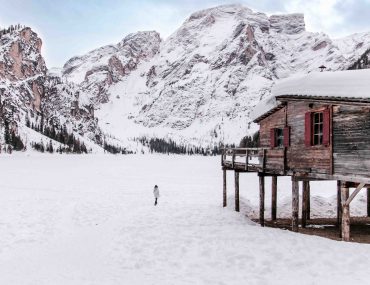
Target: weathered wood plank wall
[[351, 134], [299, 156]]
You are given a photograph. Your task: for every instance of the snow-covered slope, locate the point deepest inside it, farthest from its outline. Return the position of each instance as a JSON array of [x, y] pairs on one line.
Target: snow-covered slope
[[102, 67], [204, 80]]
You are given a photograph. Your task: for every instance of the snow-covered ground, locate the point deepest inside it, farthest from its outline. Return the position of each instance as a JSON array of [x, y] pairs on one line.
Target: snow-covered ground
[[91, 220]]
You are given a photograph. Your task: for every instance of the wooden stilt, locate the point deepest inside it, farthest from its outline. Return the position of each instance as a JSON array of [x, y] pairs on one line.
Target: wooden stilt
[[345, 213], [368, 201], [224, 188], [304, 203], [295, 204], [262, 199], [273, 197], [308, 201], [339, 206], [236, 191]]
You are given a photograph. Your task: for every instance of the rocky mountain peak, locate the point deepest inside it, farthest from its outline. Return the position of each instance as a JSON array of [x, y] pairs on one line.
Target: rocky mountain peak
[[139, 42], [122, 57], [20, 54], [283, 23], [289, 23]]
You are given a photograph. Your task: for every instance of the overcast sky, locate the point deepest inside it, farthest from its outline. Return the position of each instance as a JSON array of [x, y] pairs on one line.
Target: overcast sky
[[73, 27]]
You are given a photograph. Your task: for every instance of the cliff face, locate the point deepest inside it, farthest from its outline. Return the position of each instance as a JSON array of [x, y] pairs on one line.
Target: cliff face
[[20, 52], [31, 96], [96, 71]]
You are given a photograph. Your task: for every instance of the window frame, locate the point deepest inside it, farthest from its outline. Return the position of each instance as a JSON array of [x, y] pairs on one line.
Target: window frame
[[320, 136], [317, 127], [279, 137]]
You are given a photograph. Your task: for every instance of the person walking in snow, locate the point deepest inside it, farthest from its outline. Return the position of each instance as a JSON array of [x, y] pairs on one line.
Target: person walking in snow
[[156, 195]]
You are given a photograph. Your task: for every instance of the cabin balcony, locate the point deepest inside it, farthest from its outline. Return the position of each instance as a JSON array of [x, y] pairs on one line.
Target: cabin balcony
[[259, 159]]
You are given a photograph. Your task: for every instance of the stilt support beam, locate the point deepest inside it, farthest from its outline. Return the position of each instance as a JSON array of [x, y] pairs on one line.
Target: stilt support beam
[[339, 204], [345, 208], [306, 185], [295, 204], [368, 201], [345, 212], [237, 205], [224, 188], [273, 197], [262, 199], [308, 215]]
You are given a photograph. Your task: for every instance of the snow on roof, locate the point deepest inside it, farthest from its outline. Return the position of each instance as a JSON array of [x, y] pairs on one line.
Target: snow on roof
[[263, 107], [343, 84], [350, 84]]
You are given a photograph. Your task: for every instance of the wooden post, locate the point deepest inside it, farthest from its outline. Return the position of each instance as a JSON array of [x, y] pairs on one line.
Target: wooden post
[[339, 206], [295, 204], [236, 191], [368, 201], [273, 197], [224, 188], [304, 203], [262, 199], [246, 160], [345, 212], [308, 211], [346, 200]]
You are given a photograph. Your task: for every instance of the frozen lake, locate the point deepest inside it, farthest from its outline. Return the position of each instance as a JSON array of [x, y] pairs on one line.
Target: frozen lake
[[91, 220]]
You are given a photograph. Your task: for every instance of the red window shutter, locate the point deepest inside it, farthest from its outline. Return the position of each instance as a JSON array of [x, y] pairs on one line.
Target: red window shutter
[[272, 138], [286, 133], [308, 129], [326, 127]]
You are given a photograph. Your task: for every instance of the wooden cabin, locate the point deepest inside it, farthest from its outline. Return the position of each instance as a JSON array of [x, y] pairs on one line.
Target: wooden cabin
[[313, 127]]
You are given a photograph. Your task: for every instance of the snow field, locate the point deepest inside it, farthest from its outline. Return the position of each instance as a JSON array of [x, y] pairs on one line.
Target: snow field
[[91, 220]]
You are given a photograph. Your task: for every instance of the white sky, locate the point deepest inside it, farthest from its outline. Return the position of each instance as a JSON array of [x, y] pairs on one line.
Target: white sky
[[74, 27]]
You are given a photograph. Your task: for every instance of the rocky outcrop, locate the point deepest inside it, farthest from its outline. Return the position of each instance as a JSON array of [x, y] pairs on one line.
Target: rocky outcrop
[[96, 71], [20, 55], [289, 24], [29, 94]]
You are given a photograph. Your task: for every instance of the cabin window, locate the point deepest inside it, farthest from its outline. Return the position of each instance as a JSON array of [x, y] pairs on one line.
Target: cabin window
[[317, 128], [279, 137]]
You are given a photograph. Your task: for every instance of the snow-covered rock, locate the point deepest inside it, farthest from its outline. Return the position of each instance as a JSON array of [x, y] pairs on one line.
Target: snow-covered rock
[[102, 67], [33, 97]]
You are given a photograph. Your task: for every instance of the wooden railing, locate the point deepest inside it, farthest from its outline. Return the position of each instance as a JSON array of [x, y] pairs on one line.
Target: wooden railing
[[246, 158]]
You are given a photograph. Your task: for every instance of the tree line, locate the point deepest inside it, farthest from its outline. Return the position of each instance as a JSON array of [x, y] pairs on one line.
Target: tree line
[[115, 149], [363, 62], [61, 135], [12, 140], [250, 141], [160, 145], [10, 29]]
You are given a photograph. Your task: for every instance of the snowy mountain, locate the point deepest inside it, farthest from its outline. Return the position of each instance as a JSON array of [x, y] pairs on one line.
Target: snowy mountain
[[197, 87], [36, 106], [201, 83]]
